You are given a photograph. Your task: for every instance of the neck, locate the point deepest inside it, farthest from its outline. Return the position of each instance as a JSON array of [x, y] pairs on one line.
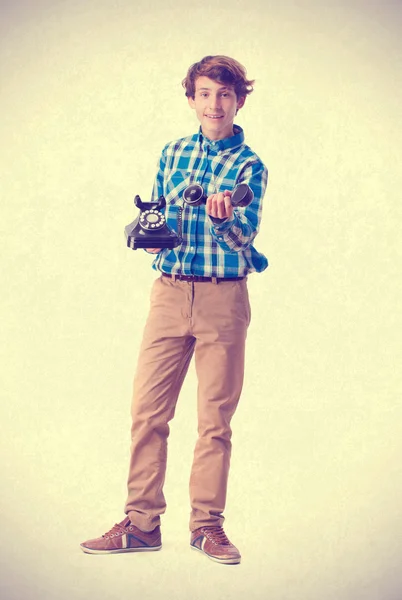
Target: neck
[[216, 135]]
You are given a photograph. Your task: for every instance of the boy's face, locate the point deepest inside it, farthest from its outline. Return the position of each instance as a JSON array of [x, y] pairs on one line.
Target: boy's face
[[216, 105]]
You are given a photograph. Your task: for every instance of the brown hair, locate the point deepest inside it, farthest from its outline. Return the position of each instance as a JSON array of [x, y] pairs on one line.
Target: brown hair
[[222, 69]]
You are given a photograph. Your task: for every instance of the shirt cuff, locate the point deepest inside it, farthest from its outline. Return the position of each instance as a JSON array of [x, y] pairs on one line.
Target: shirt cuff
[[221, 225]]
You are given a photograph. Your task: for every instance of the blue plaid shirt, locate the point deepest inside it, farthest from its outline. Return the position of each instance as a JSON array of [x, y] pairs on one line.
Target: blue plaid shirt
[[211, 249]]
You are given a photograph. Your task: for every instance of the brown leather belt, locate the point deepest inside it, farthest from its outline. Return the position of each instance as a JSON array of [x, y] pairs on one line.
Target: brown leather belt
[[199, 279]]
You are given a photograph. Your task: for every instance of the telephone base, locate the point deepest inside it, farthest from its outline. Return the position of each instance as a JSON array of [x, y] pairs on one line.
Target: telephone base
[[138, 238]]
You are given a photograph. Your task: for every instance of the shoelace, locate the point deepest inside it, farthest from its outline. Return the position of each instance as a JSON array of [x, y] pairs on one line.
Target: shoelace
[[216, 535], [117, 529]]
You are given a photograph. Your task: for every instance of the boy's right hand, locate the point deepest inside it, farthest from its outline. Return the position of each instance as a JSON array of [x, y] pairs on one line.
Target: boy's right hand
[[153, 250]]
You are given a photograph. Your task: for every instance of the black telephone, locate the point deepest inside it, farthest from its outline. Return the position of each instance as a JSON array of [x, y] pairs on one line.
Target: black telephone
[[150, 230]]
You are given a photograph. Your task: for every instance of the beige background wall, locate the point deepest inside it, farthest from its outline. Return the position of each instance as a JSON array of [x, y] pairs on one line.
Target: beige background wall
[[90, 93]]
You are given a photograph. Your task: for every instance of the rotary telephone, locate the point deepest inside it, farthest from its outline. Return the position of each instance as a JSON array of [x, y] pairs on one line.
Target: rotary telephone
[[150, 230]]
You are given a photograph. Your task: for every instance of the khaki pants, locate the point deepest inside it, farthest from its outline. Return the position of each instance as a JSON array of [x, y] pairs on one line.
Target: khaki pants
[[208, 320]]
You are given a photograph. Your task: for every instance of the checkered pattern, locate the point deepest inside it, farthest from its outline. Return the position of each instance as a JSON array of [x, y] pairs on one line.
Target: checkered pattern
[[210, 249]]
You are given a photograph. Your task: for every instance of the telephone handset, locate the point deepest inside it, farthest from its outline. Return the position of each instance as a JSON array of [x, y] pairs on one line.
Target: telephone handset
[[242, 195], [149, 229]]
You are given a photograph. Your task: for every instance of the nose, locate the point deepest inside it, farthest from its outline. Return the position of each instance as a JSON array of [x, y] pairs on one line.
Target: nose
[[214, 102]]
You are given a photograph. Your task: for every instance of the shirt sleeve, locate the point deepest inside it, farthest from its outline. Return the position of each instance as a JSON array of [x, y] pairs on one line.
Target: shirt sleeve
[[237, 233], [158, 187]]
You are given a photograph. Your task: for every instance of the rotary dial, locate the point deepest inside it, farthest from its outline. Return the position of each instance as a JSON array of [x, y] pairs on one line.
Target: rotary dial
[[152, 219]]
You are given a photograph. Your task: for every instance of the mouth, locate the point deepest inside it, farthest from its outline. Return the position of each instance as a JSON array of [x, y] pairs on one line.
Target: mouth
[[214, 116]]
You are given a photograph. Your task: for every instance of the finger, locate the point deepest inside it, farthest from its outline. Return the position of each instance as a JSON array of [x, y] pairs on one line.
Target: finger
[[209, 205], [228, 206], [221, 209], [214, 202]]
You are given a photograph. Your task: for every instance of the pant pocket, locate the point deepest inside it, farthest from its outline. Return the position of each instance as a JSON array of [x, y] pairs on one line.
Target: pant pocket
[[244, 297]]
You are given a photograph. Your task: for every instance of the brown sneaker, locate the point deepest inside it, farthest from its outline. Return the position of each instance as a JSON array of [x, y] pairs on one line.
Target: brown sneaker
[[213, 542], [124, 537]]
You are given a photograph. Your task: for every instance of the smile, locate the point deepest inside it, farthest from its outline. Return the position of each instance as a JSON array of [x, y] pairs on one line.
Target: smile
[[214, 116]]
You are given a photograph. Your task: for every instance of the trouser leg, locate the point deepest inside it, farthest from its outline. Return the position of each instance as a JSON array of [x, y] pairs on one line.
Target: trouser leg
[[164, 357], [221, 316]]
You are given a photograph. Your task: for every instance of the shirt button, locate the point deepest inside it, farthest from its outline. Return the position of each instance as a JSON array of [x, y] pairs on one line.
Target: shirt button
[[194, 216], [192, 248]]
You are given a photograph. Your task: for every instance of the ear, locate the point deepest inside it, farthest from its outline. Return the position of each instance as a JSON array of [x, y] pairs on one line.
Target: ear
[[191, 101], [240, 102]]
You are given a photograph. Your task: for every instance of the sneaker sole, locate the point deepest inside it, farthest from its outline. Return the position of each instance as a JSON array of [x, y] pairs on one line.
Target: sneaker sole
[[222, 561], [145, 549]]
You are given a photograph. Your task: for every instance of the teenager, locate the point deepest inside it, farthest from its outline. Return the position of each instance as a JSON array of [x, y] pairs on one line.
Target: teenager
[[199, 306]]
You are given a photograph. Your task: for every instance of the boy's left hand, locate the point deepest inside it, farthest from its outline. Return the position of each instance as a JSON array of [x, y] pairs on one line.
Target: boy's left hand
[[219, 205]]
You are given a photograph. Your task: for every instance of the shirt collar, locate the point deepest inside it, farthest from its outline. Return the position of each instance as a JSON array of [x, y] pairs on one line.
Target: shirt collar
[[228, 143]]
